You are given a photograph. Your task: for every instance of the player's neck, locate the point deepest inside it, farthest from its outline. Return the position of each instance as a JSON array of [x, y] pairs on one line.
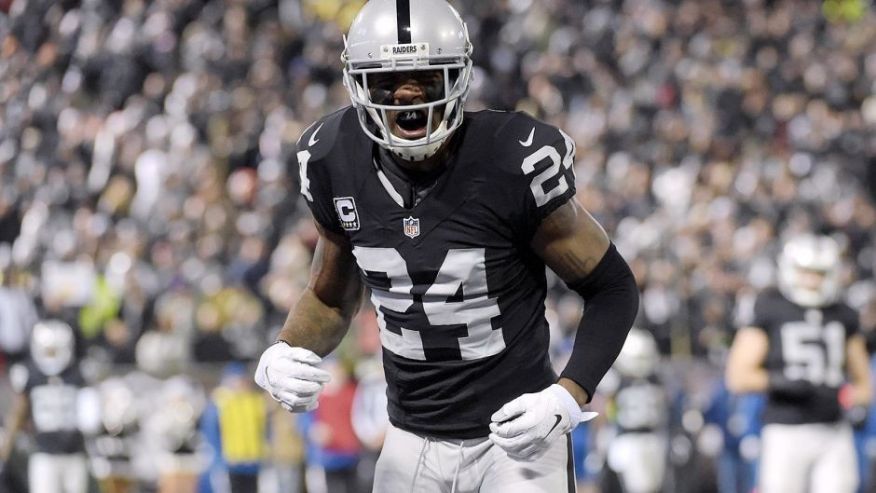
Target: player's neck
[[418, 173], [425, 167]]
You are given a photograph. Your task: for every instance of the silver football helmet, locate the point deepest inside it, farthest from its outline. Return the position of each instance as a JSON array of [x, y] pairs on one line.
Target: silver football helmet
[[809, 270], [52, 346], [639, 356], [394, 36]]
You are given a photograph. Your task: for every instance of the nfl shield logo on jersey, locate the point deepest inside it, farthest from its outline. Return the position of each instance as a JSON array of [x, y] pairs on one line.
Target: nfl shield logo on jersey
[[412, 227]]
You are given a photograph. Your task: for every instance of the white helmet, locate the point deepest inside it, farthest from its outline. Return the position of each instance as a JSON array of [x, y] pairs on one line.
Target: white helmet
[[390, 36], [638, 357], [52, 346], [816, 254]]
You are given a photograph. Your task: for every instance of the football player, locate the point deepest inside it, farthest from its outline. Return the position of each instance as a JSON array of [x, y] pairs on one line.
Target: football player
[[112, 448], [637, 453], [801, 348], [53, 396], [449, 219]]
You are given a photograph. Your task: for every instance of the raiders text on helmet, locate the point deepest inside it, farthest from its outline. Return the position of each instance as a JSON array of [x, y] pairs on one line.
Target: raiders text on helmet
[[391, 36]]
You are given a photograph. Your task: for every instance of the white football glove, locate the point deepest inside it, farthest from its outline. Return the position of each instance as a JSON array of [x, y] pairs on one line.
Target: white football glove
[[290, 375], [526, 426]]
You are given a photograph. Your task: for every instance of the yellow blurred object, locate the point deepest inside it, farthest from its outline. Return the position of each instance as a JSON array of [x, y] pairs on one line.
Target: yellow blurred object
[[844, 10], [341, 12], [242, 419], [228, 306], [104, 307]]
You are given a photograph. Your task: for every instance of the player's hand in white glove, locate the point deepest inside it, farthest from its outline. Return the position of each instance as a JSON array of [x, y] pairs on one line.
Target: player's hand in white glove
[[526, 426], [291, 376]]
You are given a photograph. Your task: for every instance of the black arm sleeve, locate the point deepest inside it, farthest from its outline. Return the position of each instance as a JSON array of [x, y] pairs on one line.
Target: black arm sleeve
[[611, 302]]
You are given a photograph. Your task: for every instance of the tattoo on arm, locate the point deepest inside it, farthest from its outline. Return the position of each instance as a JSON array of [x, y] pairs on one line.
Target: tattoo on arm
[[571, 261], [571, 242]]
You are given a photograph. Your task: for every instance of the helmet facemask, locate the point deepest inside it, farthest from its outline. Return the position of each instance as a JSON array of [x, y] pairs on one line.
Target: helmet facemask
[[639, 356], [52, 346], [443, 115]]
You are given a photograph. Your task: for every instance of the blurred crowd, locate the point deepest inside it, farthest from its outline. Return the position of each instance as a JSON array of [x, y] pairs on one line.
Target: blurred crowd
[[148, 189]]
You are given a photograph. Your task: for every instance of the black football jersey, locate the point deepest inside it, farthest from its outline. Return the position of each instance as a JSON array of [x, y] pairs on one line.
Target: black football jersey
[[53, 409], [805, 343], [641, 405], [459, 294]]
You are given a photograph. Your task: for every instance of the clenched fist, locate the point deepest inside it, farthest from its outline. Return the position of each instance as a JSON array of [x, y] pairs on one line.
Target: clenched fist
[[291, 376]]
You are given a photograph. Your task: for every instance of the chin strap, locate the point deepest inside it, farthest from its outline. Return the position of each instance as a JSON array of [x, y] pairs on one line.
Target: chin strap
[[416, 154]]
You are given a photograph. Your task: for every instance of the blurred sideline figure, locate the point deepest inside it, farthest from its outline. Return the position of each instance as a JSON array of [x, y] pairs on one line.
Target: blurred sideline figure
[[333, 450], [51, 394], [637, 453], [112, 449], [17, 311], [171, 428], [801, 348], [285, 452], [235, 424], [369, 417], [737, 416]]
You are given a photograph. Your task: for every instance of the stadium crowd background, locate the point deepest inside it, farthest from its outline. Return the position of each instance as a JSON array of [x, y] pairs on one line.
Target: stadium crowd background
[[148, 188]]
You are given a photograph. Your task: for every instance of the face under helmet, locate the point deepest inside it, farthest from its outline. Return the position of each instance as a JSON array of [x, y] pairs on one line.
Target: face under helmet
[[810, 254], [395, 36]]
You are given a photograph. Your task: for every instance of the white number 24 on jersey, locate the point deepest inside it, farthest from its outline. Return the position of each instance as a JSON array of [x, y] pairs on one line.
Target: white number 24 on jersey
[[462, 269]]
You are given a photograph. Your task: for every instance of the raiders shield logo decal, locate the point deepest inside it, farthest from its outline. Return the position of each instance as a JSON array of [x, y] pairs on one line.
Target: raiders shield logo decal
[[412, 227]]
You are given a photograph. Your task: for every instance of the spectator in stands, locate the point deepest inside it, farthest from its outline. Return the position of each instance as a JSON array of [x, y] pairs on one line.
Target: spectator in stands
[[17, 311]]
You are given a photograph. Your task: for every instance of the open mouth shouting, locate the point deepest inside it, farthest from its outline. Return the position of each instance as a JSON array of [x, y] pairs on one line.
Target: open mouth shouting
[[405, 89], [411, 124]]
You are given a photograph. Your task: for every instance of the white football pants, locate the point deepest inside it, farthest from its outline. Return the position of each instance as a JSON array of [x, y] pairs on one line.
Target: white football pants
[[639, 459], [804, 458], [51, 473], [409, 462]]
